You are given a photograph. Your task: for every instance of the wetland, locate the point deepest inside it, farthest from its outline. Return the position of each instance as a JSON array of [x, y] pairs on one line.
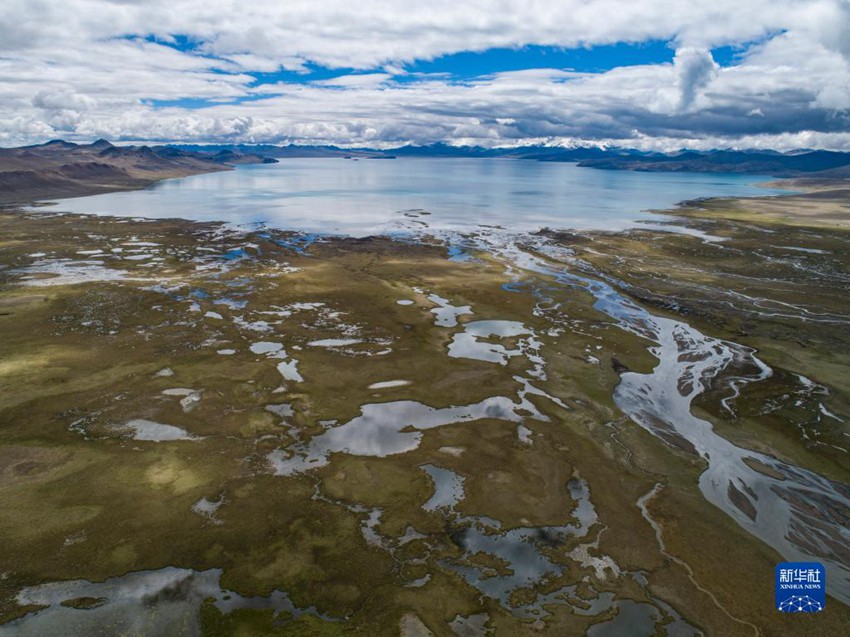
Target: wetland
[[418, 426]]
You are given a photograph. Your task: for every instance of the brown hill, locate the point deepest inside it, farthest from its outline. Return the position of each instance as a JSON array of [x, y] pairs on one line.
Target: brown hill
[[60, 169]]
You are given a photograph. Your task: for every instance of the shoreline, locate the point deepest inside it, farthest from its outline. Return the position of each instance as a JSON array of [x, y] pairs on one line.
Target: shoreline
[[77, 191], [821, 205], [63, 170], [774, 208]]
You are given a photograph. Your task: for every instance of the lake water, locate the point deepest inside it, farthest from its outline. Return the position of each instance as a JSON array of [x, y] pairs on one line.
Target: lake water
[[338, 196]]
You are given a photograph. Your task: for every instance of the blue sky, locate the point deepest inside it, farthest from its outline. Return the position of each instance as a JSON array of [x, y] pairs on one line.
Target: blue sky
[[469, 65], [652, 74]]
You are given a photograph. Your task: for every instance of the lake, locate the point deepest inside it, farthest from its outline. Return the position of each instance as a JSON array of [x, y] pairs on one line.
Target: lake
[[339, 196]]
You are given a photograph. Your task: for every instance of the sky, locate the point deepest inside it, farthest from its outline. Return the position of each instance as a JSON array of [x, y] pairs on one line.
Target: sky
[[649, 74]]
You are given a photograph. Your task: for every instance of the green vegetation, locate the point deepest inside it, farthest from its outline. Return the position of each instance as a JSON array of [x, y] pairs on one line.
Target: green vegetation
[[81, 499]]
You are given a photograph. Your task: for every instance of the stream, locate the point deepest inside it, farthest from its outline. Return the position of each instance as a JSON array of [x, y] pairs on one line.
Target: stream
[[801, 514]]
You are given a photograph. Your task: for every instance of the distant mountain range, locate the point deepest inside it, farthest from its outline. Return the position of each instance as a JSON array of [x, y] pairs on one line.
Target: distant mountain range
[[62, 169], [543, 153], [819, 163]]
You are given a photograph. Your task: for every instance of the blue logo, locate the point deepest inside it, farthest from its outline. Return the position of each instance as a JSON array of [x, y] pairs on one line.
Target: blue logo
[[800, 587]]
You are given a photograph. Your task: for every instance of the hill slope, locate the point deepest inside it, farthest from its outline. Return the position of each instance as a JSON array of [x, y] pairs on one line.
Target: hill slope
[[60, 169]]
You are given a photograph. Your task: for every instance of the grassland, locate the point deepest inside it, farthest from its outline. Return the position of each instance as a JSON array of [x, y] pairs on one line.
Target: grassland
[[100, 316]]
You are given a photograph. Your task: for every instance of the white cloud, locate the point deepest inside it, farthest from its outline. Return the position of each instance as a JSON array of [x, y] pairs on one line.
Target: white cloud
[[86, 68], [834, 98], [63, 99], [359, 80], [695, 69]]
